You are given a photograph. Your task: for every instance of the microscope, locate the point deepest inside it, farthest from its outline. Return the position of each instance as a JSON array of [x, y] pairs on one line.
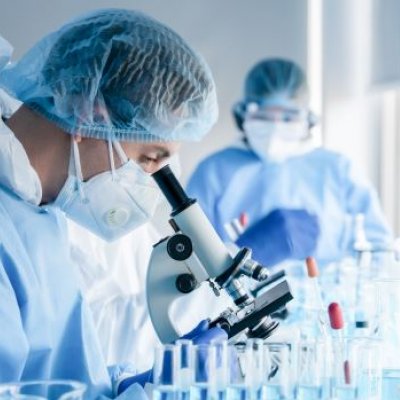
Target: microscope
[[195, 255]]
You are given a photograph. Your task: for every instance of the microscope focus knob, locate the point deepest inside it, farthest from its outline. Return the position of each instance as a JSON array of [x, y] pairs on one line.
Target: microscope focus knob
[[186, 283], [179, 247]]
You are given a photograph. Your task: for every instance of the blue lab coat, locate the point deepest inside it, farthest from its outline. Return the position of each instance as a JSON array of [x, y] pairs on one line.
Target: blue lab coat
[[323, 182]]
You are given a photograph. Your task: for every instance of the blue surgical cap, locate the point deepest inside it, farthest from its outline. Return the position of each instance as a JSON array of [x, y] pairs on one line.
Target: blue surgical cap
[[117, 74], [272, 82]]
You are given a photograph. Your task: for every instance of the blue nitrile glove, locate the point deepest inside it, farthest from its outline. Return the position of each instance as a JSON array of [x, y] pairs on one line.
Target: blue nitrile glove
[[202, 335], [199, 335], [282, 234]]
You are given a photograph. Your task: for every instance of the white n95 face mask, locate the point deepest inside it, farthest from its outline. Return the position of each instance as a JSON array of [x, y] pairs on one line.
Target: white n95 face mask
[[278, 141], [112, 203]]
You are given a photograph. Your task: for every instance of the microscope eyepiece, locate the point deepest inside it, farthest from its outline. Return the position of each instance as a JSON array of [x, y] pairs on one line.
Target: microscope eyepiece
[[172, 190]]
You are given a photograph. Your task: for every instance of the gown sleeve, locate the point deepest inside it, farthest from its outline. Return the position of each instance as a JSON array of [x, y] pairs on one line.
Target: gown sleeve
[[361, 197], [13, 342]]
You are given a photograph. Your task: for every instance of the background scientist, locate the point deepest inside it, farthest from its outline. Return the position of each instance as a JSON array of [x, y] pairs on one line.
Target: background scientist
[[285, 184]]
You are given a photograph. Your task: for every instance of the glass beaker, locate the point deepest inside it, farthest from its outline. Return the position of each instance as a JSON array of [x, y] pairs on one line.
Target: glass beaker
[[43, 389]]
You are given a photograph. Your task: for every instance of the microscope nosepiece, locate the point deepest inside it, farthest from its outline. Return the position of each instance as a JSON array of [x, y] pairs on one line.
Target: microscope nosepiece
[[254, 270], [260, 273]]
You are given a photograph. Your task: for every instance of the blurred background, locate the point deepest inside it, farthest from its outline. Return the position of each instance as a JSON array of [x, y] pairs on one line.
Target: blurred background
[[349, 48]]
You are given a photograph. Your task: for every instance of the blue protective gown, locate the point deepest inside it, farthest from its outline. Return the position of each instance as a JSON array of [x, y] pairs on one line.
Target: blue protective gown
[[235, 180], [46, 328]]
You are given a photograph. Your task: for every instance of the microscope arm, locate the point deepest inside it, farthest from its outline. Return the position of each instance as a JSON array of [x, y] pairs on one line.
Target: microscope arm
[[174, 270], [194, 254]]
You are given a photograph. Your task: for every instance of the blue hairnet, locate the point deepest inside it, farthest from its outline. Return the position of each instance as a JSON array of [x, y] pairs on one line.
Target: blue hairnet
[[117, 74], [272, 82]]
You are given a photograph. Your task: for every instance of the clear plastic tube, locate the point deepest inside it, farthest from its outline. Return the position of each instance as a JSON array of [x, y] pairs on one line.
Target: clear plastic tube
[[165, 372]]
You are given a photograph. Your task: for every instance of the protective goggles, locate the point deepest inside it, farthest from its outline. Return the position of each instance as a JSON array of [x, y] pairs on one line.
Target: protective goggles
[[275, 113]]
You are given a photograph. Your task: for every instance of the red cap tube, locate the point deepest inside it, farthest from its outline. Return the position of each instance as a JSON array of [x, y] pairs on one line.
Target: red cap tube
[[312, 267], [335, 316], [244, 219]]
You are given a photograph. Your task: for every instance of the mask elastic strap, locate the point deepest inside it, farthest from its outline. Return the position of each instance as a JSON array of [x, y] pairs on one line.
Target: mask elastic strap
[[75, 162], [71, 165], [120, 151], [111, 158]]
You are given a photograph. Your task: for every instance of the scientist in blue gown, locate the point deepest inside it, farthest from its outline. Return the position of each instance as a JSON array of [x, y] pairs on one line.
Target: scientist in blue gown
[[86, 115], [286, 185]]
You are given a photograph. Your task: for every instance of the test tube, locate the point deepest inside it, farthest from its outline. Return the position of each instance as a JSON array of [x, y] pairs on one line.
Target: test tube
[[277, 381], [239, 361], [255, 368], [239, 370], [185, 367], [313, 273], [342, 363], [221, 368], [369, 369], [203, 386], [236, 227], [165, 372], [363, 379], [313, 380]]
